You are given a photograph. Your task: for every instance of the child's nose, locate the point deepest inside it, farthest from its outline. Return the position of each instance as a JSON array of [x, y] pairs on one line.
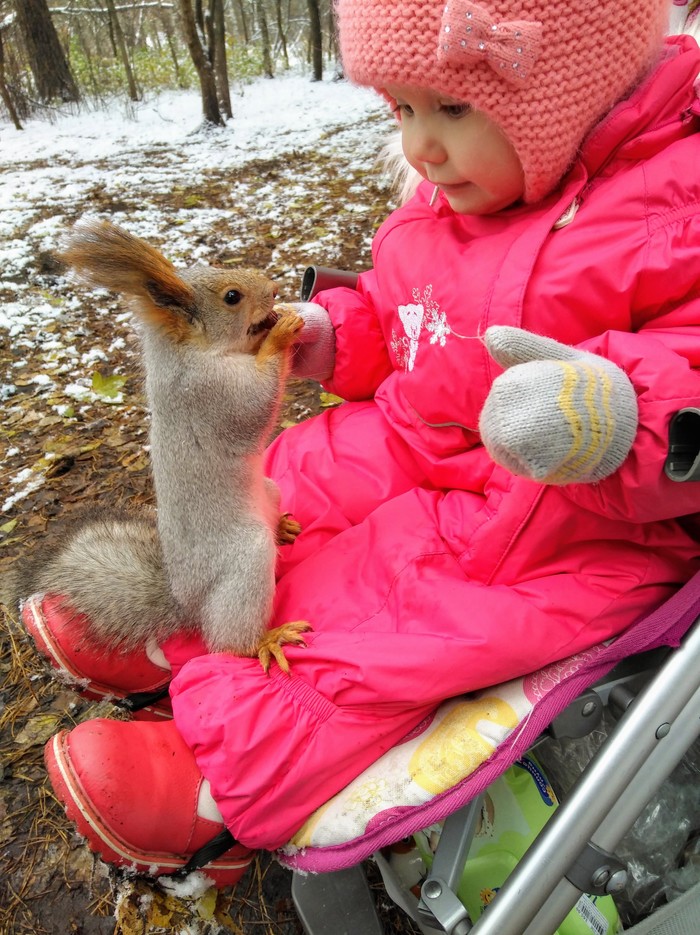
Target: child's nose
[[422, 145]]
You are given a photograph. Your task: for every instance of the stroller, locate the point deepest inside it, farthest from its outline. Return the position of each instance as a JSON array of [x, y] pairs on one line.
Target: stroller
[[648, 679]]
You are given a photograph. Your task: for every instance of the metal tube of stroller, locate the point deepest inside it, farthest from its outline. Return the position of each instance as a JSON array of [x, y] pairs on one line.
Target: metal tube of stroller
[[601, 785], [662, 760]]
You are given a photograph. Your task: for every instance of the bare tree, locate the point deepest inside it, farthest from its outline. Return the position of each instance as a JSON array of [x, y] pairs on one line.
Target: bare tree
[[218, 47], [102, 34], [242, 20], [333, 51], [166, 23], [265, 38], [316, 39], [47, 60], [4, 89], [122, 52], [201, 56], [282, 32]]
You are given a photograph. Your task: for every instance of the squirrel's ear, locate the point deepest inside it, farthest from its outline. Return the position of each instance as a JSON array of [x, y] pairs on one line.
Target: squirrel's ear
[[103, 254], [169, 305]]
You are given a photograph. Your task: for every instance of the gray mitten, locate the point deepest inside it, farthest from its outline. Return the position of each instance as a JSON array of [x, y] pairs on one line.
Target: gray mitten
[[556, 415], [314, 354]]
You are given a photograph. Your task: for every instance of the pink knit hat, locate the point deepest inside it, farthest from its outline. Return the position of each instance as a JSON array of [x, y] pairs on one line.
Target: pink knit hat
[[545, 71]]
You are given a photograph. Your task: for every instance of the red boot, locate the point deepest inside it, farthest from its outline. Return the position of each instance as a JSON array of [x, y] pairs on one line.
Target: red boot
[[132, 789], [62, 637]]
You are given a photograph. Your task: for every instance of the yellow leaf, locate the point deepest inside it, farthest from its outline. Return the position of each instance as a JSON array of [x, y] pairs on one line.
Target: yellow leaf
[[329, 399], [206, 904], [37, 730], [107, 388]]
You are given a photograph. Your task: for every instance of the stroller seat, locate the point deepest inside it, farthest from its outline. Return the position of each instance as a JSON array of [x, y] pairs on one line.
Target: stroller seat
[[442, 768]]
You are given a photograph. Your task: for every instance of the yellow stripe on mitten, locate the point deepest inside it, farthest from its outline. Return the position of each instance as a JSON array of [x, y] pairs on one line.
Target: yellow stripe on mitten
[[556, 415]]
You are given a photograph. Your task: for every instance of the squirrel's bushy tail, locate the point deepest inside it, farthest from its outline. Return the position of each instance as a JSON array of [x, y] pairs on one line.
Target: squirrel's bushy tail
[[110, 569]]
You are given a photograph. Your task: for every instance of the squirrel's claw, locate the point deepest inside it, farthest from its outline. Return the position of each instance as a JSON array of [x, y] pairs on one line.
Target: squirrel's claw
[[287, 529], [280, 338], [271, 645]]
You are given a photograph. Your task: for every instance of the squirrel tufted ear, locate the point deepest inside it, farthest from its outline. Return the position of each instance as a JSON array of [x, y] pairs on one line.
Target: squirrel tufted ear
[[105, 255]]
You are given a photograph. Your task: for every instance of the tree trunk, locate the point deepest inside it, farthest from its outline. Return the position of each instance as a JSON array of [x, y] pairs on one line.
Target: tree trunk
[[122, 51], [168, 29], [200, 57], [47, 60], [85, 46], [282, 32], [333, 50], [5, 91], [265, 37], [216, 10], [243, 21], [199, 16], [316, 40]]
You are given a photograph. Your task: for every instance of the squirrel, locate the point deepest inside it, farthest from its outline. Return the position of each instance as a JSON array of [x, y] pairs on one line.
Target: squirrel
[[216, 352]]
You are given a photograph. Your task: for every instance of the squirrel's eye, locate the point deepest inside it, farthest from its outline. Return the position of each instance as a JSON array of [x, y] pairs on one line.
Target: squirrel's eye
[[232, 297]]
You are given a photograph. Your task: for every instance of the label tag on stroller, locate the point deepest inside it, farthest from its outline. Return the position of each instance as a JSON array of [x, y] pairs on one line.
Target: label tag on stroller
[[591, 915]]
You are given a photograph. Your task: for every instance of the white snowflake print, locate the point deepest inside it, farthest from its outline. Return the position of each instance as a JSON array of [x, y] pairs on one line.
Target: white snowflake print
[[440, 329], [423, 313]]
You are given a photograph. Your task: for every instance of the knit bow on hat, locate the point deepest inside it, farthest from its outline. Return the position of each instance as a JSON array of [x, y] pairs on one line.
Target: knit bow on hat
[[557, 415], [468, 33]]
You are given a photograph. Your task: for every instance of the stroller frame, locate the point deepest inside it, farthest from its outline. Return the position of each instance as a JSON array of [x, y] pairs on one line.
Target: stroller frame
[[573, 852]]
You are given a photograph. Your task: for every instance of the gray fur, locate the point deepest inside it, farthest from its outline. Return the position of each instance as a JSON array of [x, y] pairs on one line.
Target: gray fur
[[213, 386]]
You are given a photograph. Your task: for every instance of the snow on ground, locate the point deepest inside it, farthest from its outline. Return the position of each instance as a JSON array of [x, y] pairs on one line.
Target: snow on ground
[[198, 196], [152, 146]]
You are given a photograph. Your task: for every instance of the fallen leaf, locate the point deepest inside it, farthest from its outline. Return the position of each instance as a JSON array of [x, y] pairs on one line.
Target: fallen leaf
[[107, 388], [329, 399], [136, 461], [206, 904], [37, 730]]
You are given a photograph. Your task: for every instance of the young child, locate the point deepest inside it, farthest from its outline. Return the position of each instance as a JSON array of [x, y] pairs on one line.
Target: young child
[[492, 495]]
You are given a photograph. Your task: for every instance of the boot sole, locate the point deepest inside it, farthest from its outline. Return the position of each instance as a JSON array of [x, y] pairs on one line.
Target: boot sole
[[35, 623], [226, 871]]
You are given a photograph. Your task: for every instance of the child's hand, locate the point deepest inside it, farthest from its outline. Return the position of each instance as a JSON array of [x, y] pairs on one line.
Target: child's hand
[[557, 415]]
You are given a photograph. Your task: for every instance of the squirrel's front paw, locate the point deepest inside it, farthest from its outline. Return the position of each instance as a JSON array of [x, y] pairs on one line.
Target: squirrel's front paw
[[281, 336], [286, 328]]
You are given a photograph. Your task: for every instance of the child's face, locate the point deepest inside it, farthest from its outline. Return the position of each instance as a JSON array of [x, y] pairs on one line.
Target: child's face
[[459, 150]]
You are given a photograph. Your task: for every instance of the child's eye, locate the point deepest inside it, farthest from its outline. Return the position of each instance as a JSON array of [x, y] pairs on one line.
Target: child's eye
[[456, 110], [404, 109]]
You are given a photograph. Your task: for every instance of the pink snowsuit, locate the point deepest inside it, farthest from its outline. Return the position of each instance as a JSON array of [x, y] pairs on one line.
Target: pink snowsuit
[[425, 569]]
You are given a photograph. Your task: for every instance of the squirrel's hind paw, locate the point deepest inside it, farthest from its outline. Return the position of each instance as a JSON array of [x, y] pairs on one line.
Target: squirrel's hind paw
[[287, 529], [271, 645]]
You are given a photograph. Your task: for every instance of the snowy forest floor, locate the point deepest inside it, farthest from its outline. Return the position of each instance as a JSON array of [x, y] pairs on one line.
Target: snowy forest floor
[[291, 181]]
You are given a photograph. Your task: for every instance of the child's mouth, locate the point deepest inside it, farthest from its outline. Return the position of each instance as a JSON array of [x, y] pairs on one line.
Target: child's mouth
[[264, 324]]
